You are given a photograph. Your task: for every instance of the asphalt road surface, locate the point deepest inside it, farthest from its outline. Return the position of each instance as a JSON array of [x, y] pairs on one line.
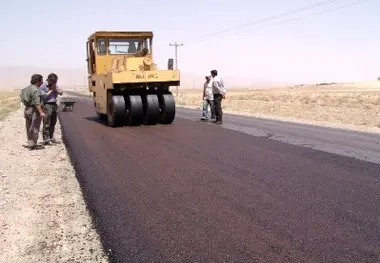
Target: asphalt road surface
[[361, 145], [196, 192]]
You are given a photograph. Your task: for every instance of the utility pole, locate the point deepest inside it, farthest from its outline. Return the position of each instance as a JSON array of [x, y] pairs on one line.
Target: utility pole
[[176, 45]]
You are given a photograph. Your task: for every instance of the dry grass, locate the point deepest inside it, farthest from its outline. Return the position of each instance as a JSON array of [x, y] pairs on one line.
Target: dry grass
[[9, 101], [337, 104]]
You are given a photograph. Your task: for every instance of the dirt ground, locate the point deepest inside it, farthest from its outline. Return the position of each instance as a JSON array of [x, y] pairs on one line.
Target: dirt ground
[[43, 217], [343, 106]]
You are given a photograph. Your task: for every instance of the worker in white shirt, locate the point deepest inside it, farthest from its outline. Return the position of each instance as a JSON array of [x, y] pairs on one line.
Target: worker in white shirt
[[219, 92], [208, 98]]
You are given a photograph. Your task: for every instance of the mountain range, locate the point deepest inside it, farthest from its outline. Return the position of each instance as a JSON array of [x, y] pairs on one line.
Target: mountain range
[[12, 77]]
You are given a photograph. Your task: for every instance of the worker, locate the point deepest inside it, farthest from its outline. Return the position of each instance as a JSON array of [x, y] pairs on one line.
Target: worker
[[208, 98], [219, 92], [102, 47], [31, 97], [50, 92]]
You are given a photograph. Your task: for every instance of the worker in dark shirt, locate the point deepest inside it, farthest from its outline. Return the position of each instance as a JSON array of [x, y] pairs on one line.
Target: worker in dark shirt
[[31, 97]]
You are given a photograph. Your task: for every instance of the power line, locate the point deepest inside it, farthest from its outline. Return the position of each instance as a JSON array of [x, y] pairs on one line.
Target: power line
[[271, 18], [276, 16], [298, 18], [204, 37]]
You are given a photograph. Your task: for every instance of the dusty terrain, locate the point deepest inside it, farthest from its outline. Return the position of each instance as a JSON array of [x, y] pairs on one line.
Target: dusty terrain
[[336, 105], [42, 213]]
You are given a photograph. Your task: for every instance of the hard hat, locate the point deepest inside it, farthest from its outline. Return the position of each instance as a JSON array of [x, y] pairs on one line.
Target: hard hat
[[208, 75]]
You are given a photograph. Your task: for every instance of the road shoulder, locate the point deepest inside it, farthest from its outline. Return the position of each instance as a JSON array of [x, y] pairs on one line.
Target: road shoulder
[[42, 212]]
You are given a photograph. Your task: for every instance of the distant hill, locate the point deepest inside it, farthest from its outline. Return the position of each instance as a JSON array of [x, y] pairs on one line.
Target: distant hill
[[18, 76]]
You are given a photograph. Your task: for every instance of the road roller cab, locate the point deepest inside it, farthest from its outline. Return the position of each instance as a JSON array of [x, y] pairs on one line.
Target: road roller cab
[[127, 86]]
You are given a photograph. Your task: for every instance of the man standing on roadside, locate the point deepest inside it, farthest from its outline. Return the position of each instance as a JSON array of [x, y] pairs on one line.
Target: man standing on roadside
[[208, 98], [219, 92], [32, 99], [50, 92]]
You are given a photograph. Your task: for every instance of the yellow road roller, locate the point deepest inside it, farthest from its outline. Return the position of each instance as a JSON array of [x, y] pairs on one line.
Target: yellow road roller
[[126, 85]]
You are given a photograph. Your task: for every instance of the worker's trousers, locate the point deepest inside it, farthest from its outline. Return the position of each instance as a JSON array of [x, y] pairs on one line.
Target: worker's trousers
[[218, 107], [32, 123], [49, 121], [206, 104]]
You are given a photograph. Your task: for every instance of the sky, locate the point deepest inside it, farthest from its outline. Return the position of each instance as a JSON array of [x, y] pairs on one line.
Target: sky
[[340, 45]]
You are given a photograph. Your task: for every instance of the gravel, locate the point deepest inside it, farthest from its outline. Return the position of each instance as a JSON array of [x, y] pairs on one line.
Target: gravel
[[43, 216]]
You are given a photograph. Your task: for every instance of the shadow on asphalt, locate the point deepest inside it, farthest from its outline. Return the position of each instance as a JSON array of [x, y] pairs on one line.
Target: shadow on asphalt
[[95, 119]]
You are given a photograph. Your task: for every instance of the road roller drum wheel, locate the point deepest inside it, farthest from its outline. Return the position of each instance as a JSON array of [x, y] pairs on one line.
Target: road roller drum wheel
[[116, 110], [151, 109], [167, 106], [134, 109]]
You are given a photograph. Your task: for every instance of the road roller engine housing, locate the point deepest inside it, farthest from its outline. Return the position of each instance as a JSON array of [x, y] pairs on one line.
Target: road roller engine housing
[[127, 86]]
